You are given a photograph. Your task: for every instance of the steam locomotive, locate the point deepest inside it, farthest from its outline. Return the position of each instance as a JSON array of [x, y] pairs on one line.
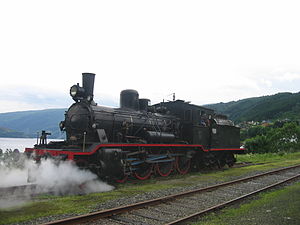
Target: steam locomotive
[[138, 139]]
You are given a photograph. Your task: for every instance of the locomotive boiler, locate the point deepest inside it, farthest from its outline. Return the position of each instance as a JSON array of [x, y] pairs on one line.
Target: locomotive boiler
[[138, 139]]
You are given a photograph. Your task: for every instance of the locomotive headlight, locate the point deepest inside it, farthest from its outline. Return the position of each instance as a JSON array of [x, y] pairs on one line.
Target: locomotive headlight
[[77, 92], [73, 90]]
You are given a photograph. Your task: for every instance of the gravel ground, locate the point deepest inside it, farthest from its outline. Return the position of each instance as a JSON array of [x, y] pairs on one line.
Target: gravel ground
[[155, 194], [199, 202], [280, 206], [162, 193]]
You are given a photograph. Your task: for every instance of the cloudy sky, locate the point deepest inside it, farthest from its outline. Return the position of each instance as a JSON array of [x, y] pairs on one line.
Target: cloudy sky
[[204, 51]]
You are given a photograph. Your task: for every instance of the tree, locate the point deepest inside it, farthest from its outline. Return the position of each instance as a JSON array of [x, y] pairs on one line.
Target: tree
[[284, 139]]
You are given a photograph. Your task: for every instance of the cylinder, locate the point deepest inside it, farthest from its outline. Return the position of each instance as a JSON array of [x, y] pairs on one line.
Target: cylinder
[[159, 137]]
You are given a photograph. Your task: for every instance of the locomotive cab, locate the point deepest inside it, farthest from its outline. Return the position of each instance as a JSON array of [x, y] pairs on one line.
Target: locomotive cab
[[200, 125]]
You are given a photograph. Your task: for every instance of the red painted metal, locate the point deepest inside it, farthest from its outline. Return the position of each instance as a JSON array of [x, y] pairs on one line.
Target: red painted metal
[[146, 175], [180, 170], [162, 173], [122, 180], [70, 153]]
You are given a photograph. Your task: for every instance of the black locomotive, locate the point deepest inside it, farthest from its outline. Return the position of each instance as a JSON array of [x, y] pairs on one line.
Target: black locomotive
[[138, 139]]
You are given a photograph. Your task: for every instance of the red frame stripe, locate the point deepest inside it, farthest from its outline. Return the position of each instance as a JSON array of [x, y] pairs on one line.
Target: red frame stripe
[[71, 153]]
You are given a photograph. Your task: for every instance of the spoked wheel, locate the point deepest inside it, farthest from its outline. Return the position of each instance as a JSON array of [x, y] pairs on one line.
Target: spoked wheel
[[183, 164], [164, 168], [144, 171]]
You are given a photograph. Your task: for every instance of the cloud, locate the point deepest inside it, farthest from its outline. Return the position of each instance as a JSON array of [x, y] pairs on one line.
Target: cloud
[[289, 76], [193, 49], [265, 82], [271, 80], [22, 98], [200, 89], [19, 98]]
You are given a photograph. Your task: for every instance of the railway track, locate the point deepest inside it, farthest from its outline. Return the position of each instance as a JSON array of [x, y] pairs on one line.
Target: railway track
[[18, 190], [16, 195], [178, 208], [33, 189]]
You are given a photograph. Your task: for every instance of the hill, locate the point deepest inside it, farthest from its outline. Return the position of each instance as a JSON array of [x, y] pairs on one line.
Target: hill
[[272, 107], [28, 123], [6, 132], [278, 106]]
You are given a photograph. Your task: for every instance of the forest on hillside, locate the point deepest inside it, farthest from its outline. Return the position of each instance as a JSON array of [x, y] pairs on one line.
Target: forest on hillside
[[274, 107]]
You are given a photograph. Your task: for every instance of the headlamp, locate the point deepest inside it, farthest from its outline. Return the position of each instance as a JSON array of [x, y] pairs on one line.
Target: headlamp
[[77, 92], [73, 90]]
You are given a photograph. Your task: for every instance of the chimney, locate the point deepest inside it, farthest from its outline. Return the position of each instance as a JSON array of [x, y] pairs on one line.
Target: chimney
[[88, 84]]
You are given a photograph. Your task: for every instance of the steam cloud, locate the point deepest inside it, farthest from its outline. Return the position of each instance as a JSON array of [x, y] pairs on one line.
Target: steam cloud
[[63, 178]]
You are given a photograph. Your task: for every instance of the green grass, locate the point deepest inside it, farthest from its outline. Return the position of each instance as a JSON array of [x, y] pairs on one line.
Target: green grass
[[280, 207], [47, 205], [268, 157]]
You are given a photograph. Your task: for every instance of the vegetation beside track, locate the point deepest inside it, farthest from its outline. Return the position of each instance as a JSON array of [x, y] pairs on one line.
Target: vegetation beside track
[[269, 158], [48, 205], [279, 207], [273, 139]]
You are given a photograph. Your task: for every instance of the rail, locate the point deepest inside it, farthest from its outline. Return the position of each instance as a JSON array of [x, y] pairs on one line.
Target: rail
[[116, 213]]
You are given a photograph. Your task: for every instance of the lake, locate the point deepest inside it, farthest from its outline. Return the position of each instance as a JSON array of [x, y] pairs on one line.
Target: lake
[[19, 143]]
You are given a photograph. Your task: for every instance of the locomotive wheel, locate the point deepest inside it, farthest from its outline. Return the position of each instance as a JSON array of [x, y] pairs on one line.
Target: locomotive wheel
[[164, 168], [183, 164], [144, 171]]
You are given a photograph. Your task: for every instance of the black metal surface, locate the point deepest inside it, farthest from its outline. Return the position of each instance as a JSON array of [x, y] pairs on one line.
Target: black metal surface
[[176, 122], [129, 99], [88, 83]]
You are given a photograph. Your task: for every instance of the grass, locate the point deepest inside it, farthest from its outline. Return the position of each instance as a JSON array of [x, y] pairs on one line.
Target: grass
[[268, 157], [47, 205], [280, 207]]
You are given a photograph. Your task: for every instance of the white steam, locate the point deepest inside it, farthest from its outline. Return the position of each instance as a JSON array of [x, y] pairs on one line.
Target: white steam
[[12, 177], [60, 178], [65, 178]]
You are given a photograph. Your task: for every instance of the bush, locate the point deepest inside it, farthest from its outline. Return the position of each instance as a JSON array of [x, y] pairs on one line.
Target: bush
[[284, 139], [253, 132]]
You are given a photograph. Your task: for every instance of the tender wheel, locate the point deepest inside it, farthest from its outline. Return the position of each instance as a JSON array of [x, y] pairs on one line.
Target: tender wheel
[[183, 164], [144, 171]]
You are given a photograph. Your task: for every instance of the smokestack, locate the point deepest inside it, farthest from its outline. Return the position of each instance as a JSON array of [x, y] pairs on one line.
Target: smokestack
[[88, 84]]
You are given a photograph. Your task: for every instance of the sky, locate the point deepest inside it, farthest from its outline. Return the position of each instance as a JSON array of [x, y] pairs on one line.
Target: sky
[[203, 51]]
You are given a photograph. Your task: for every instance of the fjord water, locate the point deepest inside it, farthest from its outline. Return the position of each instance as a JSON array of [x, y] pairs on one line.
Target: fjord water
[[19, 143]]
